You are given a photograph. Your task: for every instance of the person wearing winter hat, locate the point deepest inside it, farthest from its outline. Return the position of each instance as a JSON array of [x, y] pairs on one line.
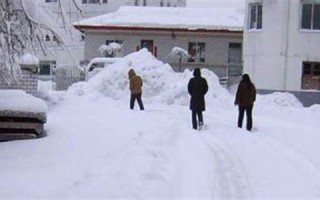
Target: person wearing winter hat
[[135, 86], [197, 88], [245, 98]]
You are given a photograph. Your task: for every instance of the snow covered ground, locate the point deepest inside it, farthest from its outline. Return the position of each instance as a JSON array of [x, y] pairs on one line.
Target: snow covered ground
[[97, 148]]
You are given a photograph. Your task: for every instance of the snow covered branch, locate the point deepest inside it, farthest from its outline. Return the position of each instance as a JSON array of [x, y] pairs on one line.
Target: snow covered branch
[[110, 50], [23, 27]]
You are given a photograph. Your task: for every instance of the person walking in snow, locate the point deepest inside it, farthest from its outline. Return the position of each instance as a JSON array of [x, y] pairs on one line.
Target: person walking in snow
[[135, 85], [245, 98], [197, 88]]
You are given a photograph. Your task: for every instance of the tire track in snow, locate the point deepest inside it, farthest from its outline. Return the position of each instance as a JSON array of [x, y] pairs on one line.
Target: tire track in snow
[[233, 181]]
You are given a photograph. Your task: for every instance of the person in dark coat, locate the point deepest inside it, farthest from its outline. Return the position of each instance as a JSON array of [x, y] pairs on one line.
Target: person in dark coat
[[135, 85], [245, 98], [197, 88]]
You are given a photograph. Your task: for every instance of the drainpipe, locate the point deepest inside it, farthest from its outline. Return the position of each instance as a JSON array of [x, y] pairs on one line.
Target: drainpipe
[[287, 46]]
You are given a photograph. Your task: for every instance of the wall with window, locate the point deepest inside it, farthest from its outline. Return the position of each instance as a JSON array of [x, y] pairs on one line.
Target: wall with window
[[276, 54], [210, 50], [264, 42]]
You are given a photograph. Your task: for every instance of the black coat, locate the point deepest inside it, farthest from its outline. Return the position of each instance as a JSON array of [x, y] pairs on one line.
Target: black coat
[[197, 88], [246, 94]]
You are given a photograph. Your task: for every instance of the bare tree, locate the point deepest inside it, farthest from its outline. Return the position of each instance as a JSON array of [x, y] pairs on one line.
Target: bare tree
[[22, 32]]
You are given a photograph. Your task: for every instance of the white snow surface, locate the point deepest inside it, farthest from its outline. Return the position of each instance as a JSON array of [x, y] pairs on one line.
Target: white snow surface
[[97, 148], [217, 3], [18, 100], [170, 17], [29, 59]]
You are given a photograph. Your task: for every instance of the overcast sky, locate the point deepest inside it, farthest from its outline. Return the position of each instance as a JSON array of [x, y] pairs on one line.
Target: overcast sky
[[213, 3]]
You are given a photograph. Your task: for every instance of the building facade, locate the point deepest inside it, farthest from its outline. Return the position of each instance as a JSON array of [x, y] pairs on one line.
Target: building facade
[[73, 53], [215, 44], [281, 44]]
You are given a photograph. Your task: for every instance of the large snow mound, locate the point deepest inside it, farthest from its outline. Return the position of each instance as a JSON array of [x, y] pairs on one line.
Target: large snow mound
[[162, 85], [283, 99]]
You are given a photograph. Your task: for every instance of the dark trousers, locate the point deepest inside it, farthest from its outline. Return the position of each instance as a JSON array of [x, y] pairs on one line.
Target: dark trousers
[[248, 110], [194, 116], [133, 99]]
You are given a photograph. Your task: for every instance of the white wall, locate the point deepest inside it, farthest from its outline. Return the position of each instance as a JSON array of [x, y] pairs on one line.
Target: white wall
[[264, 48], [273, 56]]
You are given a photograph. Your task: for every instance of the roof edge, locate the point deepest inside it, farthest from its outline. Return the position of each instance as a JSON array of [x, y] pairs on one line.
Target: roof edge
[[130, 28]]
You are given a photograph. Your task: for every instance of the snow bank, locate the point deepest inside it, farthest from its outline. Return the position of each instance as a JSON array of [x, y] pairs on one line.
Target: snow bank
[[163, 85], [160, 83], [18, 100], [282, 99]]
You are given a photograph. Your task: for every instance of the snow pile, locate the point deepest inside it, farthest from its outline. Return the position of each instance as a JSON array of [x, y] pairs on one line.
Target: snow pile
[[282, 99], [18, 100], [160, 83]]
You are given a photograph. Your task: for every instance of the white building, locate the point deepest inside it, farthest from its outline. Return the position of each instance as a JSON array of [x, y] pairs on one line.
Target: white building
[[74, 51], [281, 44]]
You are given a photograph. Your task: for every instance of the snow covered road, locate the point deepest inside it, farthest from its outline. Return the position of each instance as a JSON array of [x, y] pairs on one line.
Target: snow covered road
[[101, 149], [97, 148]]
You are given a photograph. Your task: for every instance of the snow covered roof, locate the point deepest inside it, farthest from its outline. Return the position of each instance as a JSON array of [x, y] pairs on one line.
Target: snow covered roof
[[28, 59], [191, 19]]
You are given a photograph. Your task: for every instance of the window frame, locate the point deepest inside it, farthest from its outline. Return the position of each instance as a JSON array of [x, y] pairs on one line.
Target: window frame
[[201, 54], [310, 78], [50, 64], [257, 24], [312, 22]]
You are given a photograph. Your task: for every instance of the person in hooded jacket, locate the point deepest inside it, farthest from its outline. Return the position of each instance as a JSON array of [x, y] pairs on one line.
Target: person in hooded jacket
[[135, 85], [245, 98], [197, 88]]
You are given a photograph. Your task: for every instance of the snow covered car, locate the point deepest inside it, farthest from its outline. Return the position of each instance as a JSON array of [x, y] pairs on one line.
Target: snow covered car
[[97, 64]]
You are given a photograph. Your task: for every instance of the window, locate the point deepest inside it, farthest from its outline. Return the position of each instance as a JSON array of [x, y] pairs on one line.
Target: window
[[161, 3], [148, 44], [311, 75], [234, 59], [196, 51], [94, 1], [47, 38], [310, 15], [46, 67], [255, 16], [49, 1]]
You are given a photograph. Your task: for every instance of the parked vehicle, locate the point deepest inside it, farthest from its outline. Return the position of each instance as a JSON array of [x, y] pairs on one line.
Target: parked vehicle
[[97, 64]]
